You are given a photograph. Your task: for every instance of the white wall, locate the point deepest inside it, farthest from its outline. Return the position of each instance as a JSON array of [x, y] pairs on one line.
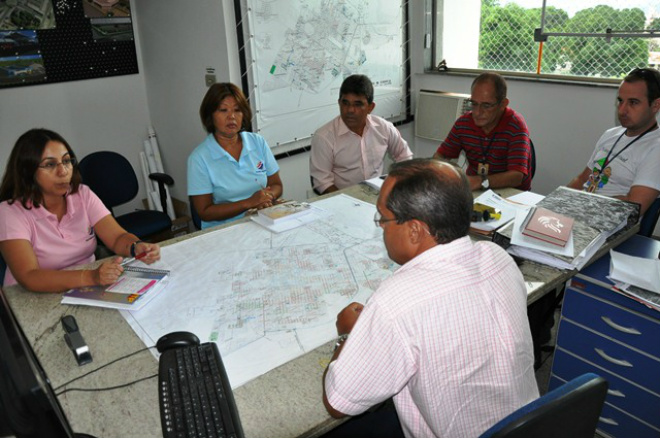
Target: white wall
[[95, 114]]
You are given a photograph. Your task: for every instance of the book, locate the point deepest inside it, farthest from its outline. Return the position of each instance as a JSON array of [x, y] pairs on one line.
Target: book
[[548, 226], [596, 218], [284, 212], [376, 182], [132, 291]]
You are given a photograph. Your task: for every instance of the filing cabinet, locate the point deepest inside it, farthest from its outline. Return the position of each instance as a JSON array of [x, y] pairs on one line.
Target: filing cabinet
[[616, 337]]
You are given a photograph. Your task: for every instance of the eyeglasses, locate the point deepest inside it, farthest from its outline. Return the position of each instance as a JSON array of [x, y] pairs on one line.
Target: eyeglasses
[[51, 166], [379, 220], [486, 106]]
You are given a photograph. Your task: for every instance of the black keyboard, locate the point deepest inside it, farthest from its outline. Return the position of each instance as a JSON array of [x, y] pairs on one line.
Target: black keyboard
[[196, 400]]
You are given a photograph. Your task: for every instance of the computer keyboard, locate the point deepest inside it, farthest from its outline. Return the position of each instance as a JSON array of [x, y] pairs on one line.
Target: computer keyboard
[[196, 399]]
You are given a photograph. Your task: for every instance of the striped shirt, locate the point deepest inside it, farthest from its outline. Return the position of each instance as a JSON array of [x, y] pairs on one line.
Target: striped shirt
[[447, 337], [505, 148]]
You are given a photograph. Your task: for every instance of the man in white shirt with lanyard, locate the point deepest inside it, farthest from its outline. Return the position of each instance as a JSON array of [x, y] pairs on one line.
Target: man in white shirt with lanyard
[[626, 161]]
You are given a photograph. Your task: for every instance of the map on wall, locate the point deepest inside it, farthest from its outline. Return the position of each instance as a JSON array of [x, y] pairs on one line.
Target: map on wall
[[299, 52]]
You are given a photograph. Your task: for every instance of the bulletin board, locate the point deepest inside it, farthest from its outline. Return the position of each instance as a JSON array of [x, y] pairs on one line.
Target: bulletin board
[[47, 41]]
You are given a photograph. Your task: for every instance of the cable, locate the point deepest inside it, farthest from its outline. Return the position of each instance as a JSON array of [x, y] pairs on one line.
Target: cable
[[109, 388], [101, 367]]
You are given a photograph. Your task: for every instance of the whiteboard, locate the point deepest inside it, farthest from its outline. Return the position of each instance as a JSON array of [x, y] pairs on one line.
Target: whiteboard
[[298, 52]]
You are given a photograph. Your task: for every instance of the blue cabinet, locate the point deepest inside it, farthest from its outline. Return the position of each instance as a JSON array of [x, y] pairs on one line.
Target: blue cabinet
[[604, 332]]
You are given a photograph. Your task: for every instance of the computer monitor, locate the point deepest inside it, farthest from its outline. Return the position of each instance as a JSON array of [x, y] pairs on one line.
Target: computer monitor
[[28, 405]]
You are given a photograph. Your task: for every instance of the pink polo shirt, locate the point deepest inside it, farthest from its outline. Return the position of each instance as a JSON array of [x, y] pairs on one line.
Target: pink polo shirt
[[57, 245]]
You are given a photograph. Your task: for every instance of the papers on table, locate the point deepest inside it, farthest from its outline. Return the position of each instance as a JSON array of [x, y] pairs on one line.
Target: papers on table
[[376, 182], [507, 208], [637, 271]]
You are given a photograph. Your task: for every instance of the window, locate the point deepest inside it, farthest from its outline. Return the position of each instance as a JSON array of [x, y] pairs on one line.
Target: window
[[499, 35]]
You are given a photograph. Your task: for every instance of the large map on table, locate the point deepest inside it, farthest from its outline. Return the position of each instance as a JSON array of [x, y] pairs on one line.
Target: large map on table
[[267, 298]]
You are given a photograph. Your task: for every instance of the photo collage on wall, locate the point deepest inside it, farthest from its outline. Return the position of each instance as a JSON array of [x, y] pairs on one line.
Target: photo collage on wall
[[45, 41], [20, 52]]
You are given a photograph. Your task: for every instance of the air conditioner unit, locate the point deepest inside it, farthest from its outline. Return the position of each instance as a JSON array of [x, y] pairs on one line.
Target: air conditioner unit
[[437, 111]]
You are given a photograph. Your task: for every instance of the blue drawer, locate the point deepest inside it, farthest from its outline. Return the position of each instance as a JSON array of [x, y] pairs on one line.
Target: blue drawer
[[616, 423], [623, 361], [631, 328], [625, 396]]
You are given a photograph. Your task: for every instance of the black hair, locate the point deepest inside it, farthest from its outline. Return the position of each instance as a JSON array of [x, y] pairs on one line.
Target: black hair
[[19, 182], [651, 77], [358, 84], [426, 192], [214, 96], [498, 82]]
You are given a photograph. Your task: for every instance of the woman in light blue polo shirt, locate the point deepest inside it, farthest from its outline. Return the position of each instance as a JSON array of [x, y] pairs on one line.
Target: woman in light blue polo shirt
[[233, 170]]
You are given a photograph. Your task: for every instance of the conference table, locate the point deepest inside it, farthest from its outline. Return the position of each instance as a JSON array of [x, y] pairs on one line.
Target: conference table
[[284, 402]]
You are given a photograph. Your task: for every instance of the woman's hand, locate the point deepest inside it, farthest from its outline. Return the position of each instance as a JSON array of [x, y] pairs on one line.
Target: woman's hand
[[262, 198], [108, 272], [147, 252]]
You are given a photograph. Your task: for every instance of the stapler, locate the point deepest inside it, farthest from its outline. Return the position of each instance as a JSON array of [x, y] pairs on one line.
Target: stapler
[[75, 341]]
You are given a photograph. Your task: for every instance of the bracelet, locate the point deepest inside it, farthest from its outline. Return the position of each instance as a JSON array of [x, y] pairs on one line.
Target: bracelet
[[133, 245], [340, 340]]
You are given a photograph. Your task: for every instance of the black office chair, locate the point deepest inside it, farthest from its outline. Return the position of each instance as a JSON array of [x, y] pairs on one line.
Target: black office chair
[[113, 179], [650, 219], [197, 221], [532, 163], [3, 268], [572, 410]]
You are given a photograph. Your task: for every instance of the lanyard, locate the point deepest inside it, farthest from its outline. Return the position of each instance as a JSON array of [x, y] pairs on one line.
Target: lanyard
[[607, 158], [485, 152]]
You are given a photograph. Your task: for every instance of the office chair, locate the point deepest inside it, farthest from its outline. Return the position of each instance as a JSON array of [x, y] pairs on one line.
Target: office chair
[[569, 410], [532, 164], [113, 179], [3, 268], [197, 221], [650, 219]]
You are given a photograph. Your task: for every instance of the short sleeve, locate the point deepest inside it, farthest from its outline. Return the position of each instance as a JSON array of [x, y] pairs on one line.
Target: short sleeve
[[13, 222], [199, 180]]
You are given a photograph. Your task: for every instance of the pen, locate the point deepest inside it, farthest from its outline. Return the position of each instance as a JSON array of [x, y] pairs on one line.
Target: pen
[[132, 259]]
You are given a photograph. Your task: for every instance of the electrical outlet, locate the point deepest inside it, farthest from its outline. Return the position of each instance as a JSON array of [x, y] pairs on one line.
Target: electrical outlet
[[210, 80]]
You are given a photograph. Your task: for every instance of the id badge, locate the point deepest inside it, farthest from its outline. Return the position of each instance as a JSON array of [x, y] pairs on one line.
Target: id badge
[[482, 169]]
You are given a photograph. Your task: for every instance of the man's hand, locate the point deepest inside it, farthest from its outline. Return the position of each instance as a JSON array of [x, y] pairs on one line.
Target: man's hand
[[347, 318]]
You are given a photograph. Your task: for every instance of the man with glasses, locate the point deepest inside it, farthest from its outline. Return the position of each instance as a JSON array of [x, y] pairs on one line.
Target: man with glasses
[[351, 148], [447, 335], [494, 137], [626, 161]]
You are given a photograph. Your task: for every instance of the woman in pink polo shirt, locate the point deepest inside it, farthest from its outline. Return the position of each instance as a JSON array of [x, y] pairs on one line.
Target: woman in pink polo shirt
[[49, 220]]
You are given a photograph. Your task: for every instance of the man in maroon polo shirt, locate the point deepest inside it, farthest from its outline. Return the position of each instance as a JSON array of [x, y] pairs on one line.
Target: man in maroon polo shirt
[[494, 137]]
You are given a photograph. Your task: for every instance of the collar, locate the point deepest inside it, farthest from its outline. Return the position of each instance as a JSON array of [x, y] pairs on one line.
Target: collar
[[217, 152], [440, 253], [342, 129]]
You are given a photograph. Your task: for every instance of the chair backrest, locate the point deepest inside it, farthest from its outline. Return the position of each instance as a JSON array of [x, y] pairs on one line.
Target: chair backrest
[[197, 221], [3, 268], [569, 410], [533, 157], [110, 176], [650, 219]]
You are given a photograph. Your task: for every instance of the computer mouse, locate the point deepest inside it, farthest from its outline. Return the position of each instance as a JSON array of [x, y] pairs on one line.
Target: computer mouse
[[176, 340]]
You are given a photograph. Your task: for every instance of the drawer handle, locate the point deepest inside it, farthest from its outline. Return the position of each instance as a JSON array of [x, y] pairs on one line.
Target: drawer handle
[[623, 363], [615, 326], [616, 393], [608, 421]]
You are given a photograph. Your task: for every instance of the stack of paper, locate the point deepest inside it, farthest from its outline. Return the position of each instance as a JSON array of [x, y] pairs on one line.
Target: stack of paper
[[636, 277], [595, 218]]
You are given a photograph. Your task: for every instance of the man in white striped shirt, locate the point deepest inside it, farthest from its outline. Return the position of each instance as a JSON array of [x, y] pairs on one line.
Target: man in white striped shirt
[[447, 335]]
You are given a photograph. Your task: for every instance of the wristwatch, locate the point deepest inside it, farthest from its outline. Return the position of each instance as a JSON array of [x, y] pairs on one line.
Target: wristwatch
[[340, 340], [484, 182], [133, 245]]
